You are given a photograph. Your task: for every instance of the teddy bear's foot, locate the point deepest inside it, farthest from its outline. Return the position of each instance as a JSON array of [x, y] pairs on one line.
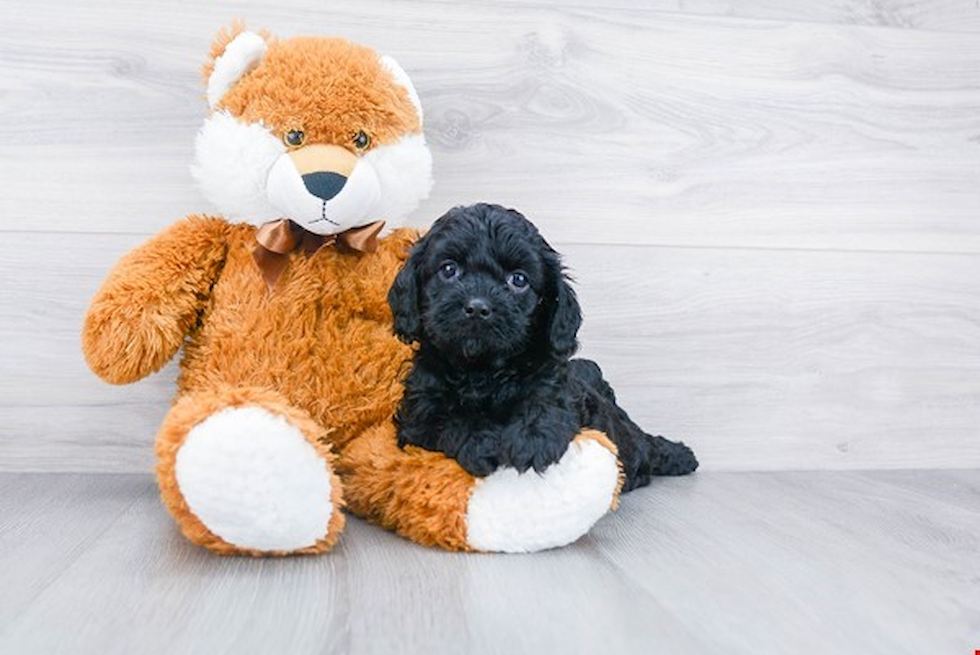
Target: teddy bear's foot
[[429, 498], [515, 512], [253, 480], [248, 475]]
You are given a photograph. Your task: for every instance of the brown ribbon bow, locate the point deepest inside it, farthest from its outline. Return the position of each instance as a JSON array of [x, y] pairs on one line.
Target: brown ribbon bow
[[277, 239]]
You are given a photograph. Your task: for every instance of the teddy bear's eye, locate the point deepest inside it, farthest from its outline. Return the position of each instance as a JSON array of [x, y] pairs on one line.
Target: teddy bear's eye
[[294, 138], [361, 140]]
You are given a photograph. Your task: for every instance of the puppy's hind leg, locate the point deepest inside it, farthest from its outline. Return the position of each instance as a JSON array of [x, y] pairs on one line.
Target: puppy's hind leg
[[642, 455], [674, 457]]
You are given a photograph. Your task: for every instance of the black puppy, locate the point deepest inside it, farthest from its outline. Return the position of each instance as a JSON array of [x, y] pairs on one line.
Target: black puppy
[[492, 385]]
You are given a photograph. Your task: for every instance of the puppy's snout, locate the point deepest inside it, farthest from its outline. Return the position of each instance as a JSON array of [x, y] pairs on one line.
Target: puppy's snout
[[477, 308]]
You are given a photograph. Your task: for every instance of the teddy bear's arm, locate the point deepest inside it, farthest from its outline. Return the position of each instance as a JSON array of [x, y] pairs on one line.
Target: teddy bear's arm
[[151, 300]]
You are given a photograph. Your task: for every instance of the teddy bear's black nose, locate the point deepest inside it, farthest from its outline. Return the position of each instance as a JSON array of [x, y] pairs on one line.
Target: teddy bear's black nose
[[324, 185]]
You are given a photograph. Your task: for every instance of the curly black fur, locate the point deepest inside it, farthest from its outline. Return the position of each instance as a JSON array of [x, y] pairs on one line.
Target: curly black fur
[[492, 383]]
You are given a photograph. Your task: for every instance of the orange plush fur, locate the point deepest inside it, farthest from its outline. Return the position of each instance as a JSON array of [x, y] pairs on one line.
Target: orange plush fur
[[317, 349], [288, 92], [334, 364]]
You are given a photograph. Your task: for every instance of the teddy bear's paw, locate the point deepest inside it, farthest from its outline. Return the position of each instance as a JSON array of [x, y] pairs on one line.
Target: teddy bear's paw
[[252, 478], [524, 512]]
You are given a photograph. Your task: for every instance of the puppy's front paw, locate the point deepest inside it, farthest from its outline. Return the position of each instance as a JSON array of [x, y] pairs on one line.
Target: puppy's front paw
[[676, 458], [535, 451], [477, 457]]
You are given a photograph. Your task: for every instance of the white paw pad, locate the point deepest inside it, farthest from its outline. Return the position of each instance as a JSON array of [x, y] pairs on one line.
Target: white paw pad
[[515, 512], [253, 480]]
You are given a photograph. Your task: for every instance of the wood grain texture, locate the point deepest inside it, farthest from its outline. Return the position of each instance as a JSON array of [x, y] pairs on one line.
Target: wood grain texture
[[836, 360], [42, 522], [759, 359], [771, 207], [670, 129], [939, 15], [826, 563]]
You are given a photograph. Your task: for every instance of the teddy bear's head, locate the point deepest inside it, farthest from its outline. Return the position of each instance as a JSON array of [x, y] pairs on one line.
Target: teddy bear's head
[[322, 131]]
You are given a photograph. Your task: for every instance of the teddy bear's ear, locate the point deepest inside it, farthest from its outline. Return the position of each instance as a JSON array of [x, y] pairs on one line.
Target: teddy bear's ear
[[402, 78], [235, 51]]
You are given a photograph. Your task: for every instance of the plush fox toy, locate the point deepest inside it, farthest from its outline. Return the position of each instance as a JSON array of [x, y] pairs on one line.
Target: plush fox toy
[[314, 154]]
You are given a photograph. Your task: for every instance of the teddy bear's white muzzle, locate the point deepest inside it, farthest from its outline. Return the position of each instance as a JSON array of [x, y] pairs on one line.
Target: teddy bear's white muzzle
[[324, 202]]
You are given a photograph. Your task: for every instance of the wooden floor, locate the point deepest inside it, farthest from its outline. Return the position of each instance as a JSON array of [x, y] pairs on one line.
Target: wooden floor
[[818, 562]]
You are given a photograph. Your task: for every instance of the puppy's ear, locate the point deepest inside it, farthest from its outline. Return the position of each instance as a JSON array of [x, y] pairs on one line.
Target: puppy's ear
[[565, 315], [405, 300]]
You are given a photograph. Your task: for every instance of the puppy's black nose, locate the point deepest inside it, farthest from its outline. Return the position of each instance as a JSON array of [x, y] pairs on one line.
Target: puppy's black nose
[[477, 307], [324, 185]]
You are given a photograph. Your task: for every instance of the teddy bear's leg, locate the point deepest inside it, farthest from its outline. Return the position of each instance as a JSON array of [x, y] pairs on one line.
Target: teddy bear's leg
[[430, 499], [244, 472]]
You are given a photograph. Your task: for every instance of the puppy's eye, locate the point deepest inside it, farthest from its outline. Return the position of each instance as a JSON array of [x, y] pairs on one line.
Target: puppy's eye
[[294, 138], [361, 140], [518, 281], [448, 270]]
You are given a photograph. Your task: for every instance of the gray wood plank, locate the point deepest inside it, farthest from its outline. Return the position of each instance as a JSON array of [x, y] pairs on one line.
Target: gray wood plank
[[821, 562], [761, 359], [616, 125], [939, 15], [47, 522], [145, 589], [960, 488], [482, 610], [834, 360]]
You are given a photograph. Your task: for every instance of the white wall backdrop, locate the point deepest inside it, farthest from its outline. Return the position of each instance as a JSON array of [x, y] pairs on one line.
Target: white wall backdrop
[[772, 209]]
